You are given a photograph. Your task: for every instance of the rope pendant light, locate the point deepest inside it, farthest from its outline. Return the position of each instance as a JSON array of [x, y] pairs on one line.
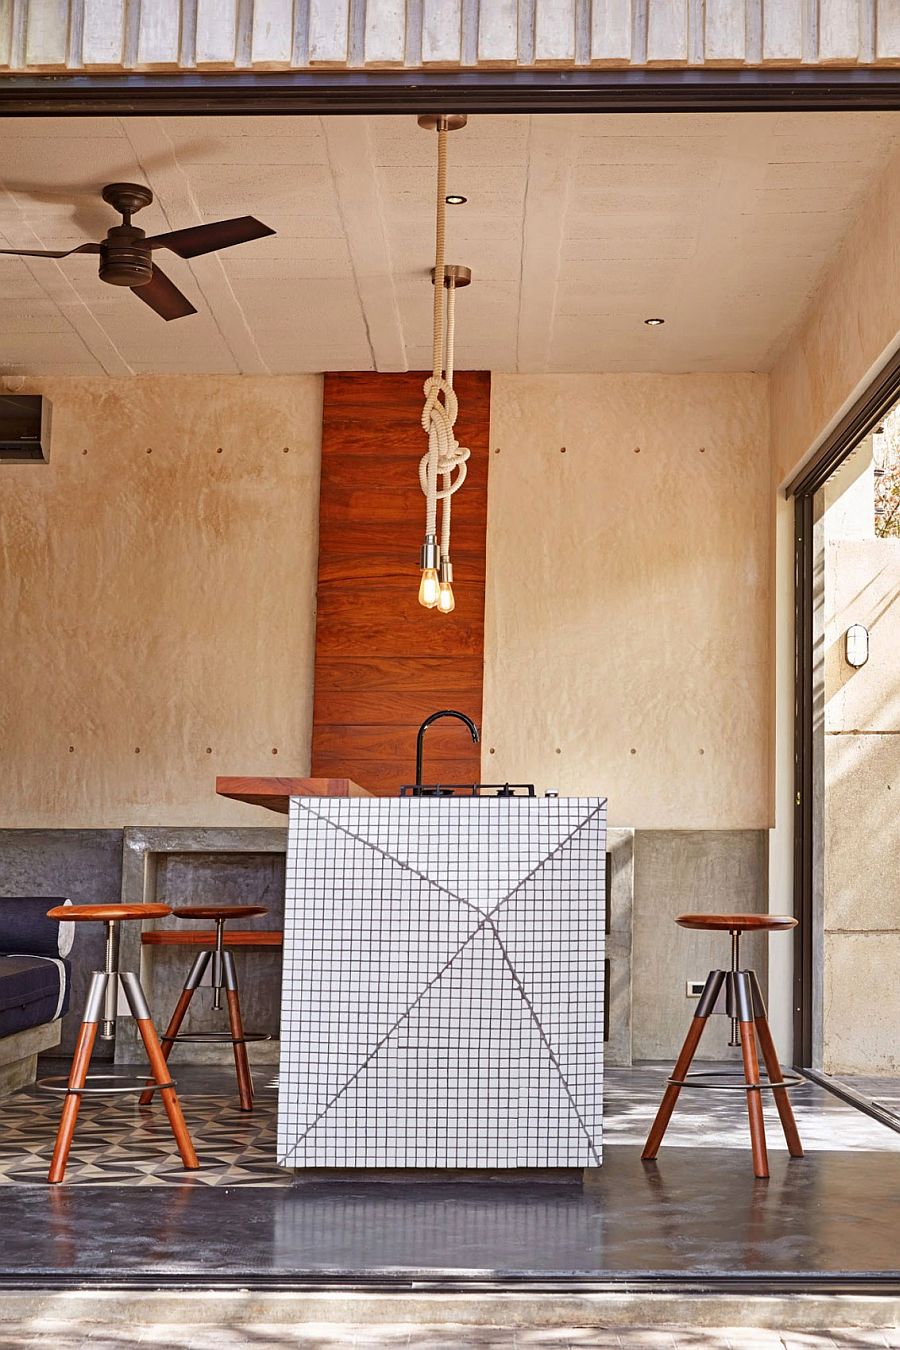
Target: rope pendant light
[[445, 459]]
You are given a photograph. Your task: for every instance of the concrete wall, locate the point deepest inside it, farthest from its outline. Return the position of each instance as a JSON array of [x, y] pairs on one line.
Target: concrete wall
[[861, 768], [261, 34], [627, 625], [159, 577], [849, 332]]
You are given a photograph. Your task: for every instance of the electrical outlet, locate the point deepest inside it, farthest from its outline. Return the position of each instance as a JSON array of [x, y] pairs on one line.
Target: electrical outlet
[[695, 988]]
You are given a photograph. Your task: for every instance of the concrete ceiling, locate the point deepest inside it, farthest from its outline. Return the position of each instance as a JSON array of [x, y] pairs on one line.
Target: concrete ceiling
[[576, 228]]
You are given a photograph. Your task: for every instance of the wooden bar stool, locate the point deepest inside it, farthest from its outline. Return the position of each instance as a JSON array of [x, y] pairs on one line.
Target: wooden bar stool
[[737, 994], [223, 975], [100, 1012]]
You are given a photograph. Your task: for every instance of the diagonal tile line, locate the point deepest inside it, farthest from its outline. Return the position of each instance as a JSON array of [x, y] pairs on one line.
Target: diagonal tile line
[[387, 1035], [547, 857], [397, 862], [554, 1060]]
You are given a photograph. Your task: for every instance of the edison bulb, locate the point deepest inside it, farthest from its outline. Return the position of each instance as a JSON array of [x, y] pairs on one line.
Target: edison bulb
[[429, 587], [446, 603]]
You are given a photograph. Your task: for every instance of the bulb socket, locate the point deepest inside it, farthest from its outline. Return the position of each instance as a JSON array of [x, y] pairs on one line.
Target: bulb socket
[[446, 572], [429, 556]]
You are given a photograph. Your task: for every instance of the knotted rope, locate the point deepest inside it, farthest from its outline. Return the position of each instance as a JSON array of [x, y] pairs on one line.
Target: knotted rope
[[444, 454]]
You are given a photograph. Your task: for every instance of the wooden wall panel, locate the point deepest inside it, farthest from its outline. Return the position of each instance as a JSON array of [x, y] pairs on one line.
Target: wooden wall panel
[[382, 662]]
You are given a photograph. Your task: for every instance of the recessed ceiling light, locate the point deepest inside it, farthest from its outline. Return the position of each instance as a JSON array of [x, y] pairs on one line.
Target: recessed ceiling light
[[653, 323], [455, 199]]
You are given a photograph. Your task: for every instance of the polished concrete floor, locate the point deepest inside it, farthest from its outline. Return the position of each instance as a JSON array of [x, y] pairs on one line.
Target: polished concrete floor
[[696, 1217]]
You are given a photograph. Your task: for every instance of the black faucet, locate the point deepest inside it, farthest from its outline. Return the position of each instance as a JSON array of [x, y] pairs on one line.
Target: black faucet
[[446, 712]]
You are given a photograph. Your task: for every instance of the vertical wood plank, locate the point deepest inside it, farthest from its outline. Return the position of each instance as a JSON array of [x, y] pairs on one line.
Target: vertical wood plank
[[159, 33], [442, 32], [272, 33], [384, 664], [329, 32], [216, 43], [103, 35], [554, 31], [385, 32], [498, 32], [887, 31], [611, 23], [667, 31], [46, 33], [725, 31], [839, 30], [783, 30]]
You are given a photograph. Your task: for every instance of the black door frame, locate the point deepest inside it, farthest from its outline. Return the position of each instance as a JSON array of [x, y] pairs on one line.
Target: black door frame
[[865, 413], [693, 90]]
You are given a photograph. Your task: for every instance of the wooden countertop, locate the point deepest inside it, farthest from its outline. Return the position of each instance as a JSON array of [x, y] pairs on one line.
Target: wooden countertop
[[275, 793]]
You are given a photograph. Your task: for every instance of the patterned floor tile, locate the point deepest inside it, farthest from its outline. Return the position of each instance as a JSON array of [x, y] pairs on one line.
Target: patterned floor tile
[[118, 1143]]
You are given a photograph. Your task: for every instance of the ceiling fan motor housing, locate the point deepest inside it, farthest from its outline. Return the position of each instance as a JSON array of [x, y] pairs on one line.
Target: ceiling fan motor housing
[[125, 259]]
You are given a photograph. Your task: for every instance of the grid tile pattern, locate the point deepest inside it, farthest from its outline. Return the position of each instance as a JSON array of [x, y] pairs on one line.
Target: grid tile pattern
[[442, 997]]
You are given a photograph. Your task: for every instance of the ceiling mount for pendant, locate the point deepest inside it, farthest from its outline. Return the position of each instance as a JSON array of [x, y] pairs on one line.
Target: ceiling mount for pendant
[[455, 274], [442, 121]]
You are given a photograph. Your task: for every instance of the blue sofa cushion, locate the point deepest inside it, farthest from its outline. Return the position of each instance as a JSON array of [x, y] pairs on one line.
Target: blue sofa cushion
[[25, 928], [33, 990]]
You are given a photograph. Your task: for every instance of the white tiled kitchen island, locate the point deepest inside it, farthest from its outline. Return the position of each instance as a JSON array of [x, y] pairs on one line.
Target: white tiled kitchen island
[[442, 995]]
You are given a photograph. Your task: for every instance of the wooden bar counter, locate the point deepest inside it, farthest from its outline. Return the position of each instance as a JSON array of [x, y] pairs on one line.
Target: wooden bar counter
[[275, 793]]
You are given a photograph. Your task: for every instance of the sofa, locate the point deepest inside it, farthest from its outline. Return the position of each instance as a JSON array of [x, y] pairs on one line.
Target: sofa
[[34, 984]]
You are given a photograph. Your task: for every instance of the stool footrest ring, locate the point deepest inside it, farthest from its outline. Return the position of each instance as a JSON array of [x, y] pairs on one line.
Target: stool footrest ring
[[217, 1038], [60, 1083], [736, 1083]]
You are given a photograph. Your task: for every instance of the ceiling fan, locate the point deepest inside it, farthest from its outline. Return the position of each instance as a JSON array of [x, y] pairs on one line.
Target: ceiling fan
[[126, 253]]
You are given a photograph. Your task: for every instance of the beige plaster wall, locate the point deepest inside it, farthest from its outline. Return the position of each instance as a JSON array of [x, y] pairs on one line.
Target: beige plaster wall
[[627, 642], [157, 599], [850, 330]]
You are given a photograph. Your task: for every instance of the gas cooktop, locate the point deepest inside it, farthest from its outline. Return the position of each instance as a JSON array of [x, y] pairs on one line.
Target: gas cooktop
[[468, 790]]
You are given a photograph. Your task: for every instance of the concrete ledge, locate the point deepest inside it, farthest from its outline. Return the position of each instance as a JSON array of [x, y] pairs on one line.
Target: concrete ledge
[[19, 1054], [42, 1313]]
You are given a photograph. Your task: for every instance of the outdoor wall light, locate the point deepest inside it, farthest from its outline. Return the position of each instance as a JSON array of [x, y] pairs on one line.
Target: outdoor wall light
[[654, 323], [856, 645], [455, 199]]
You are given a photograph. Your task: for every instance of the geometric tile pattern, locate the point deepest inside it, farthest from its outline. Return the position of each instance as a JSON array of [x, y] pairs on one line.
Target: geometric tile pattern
[[117, 1144], [442, 992]]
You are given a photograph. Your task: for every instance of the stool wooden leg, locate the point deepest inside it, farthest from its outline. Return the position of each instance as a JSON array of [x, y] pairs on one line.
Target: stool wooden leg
[[138, 1004], [184, 999], [81, 1060], [241, 1061], [688, 1050], [782, 1098], [743, 1001]]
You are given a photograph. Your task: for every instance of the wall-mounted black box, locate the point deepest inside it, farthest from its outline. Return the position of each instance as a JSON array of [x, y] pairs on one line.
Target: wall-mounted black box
[[24, 429]]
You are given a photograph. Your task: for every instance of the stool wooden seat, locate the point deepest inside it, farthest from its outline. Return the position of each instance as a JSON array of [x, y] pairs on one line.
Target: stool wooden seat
[[108, 913], [224, 975], [100, 1013], [738, 923], [736, 993], [222, 912]]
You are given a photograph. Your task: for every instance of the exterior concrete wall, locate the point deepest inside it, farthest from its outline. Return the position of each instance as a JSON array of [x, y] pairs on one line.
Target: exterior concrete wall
[[627, 619], [675, 872], [861, 764], [159, 574], [276, 34]]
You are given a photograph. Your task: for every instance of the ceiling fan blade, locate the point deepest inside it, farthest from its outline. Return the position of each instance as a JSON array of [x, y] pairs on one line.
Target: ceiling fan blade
[[164, 296], [197, 239], [51, 253]]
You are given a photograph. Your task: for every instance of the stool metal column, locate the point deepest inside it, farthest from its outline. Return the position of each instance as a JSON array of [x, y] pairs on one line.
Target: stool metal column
[[223, 976], [737, 994], [100, 1014]]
